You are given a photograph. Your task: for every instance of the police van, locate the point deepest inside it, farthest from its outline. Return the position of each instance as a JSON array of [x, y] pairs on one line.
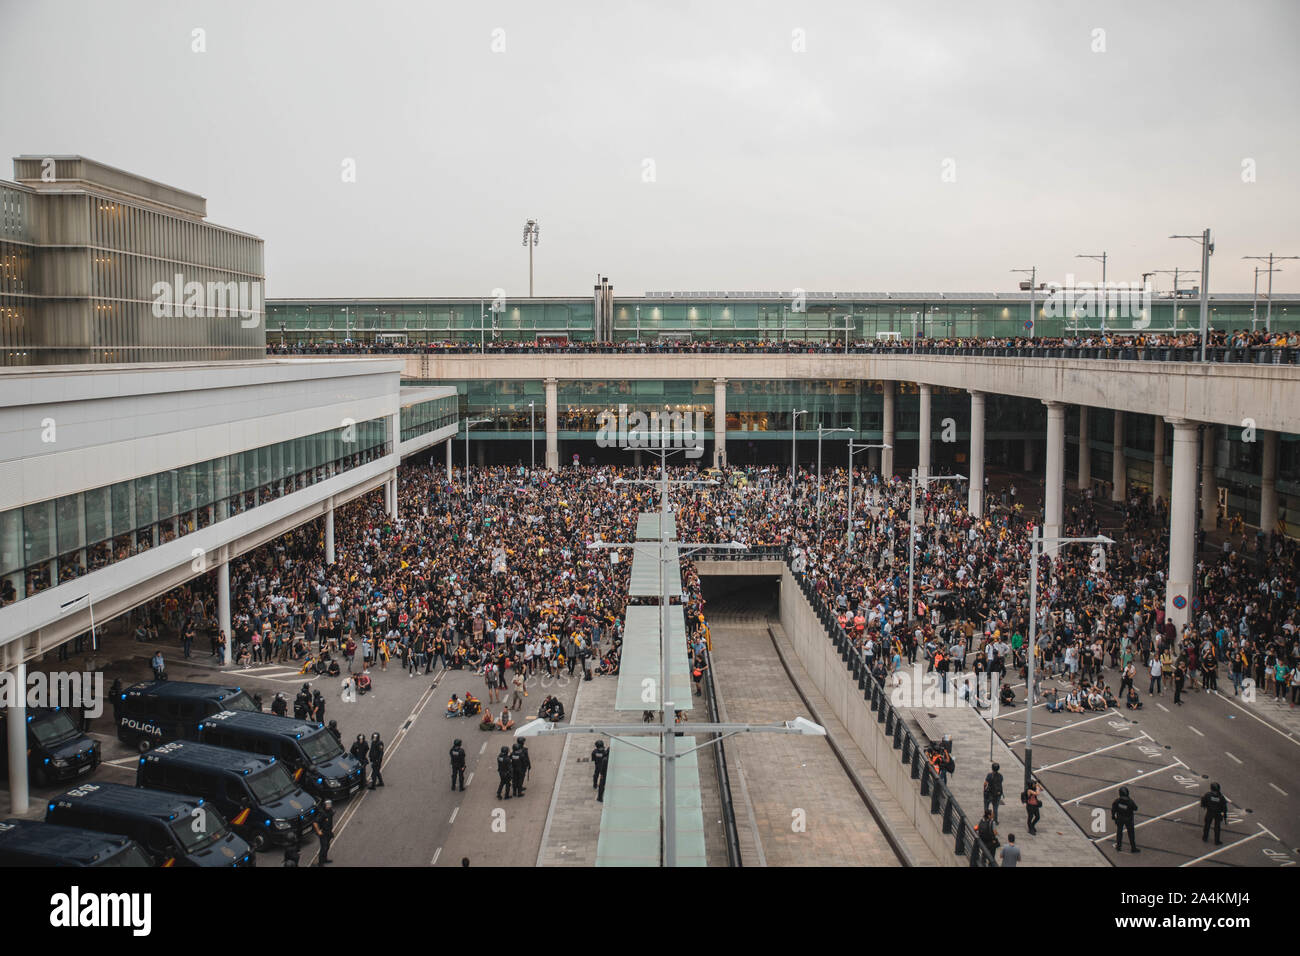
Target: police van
[[256, 794], [315, 756], [56, 748], [175, 830], [33, 843], [155, 712]]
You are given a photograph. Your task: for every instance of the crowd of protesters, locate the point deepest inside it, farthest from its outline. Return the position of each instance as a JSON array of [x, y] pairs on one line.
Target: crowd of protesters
[[1138, 344]]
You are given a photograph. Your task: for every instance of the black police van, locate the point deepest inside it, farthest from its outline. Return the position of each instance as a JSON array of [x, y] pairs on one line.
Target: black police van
[[256, 794], [175, 830], [155, 712], [317, 759], [56, 748], [32, 843]]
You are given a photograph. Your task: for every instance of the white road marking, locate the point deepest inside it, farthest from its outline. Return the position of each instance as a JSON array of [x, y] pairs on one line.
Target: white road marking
[[470, 778], [483, 749], [1111, 836], [1085, 796], [1195, 731], [1092, 753], [1228, 846], [436, 853], [1162, 706], [121, 761], [1278, 789], [454, 811], [1269, 725], [1230, 754], [1054, 730]]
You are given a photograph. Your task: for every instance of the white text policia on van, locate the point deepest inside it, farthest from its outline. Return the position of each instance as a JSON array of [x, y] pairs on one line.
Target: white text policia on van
[[57, 689], [192, 300]]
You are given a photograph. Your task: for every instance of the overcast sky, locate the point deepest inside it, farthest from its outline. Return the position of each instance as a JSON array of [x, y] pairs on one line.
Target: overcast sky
[[689, 146]]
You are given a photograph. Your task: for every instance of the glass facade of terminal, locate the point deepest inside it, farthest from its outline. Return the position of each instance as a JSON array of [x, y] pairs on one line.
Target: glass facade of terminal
[[648, 319], [420, 418], [50, 542]]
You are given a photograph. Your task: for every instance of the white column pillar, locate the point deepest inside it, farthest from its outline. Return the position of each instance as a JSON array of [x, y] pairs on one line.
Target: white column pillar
[[1085, 452], [1119, 464], [1209, 483], [1268, 483], [223, 606], [975, 504], [719, 422], [449, 441], [923, 435], [329, 533], [1159, 470], [887, 426], [1182, 523], [1054, 483], [392, 496], [552, 426], [16, 728]]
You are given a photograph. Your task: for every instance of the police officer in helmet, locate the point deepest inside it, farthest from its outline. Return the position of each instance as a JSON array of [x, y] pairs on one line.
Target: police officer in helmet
[[517, 770], [1216, 808], [457, 754], [503, 774], [1122, 812], [376, 761]]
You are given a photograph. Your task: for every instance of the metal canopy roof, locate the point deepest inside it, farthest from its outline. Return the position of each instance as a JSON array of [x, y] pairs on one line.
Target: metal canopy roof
[[647, 526], [630, 818], [639, 662], [645, 571]]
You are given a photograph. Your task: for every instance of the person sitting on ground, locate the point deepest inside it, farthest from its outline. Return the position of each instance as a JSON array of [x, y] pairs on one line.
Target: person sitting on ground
[[453, 707], [1108, 697], [363, 683], [1054, 703], [505, 721], [1006, 696], [1095, 700], [552, 710], [487, 723], [1133, 702], [331, 665], [471, 706], [1073, 701]]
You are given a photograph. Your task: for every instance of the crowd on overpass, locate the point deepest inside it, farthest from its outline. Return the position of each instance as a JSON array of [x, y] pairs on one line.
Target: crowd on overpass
[[1224, 346]]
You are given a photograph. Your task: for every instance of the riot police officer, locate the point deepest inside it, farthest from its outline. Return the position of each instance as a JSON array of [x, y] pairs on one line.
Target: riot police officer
[[600, 762], [360, 751], [1122, 812], [517, 771], [528, 760], [1216, 808], [324, 827], [457, 754], [376, 761], [302, 703], [334, 729], [280, 706], [503, 773]]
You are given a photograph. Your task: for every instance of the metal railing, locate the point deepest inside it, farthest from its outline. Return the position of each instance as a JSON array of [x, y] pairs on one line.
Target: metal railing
[[955, 822], [720, 763]]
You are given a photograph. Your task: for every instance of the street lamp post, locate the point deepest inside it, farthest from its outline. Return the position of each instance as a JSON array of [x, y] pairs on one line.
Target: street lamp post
[[1036, 542], [854, 448], [1207, 250], [911, 535], [470, 423], [532, 436], [532, 233], [1105, 305], [823, 430], [1032, 285], [1175, 272], [1268, 312], [794, 431]]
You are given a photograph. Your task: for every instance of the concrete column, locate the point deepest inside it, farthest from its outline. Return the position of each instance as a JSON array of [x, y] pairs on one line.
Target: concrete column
[[1054, 483], [449, 459], [1159, 471], [1182, 523], [1209, 483], [1029, 455], [223, 606], [1085, 452], [719, 422], [16, 728], [975, 503], [923, 429], [1268, 483], [1119, 464], [887, 425], [329, 533], [395, 427], [552, 426]]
